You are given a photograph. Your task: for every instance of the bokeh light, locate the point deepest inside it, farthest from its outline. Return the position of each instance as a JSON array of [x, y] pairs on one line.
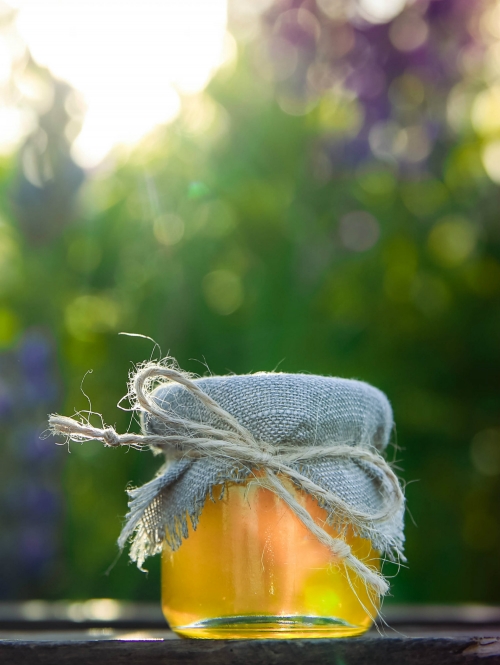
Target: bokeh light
[[485, 452]]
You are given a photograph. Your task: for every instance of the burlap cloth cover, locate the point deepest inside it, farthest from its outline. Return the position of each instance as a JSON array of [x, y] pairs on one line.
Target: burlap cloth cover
[[281, 409]]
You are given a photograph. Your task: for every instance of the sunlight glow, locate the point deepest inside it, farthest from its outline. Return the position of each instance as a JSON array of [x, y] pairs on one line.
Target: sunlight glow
[[380, 11], [130, 59]]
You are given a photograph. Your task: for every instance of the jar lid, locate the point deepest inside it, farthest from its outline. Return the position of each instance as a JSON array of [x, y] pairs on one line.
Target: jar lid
[[278, 408]]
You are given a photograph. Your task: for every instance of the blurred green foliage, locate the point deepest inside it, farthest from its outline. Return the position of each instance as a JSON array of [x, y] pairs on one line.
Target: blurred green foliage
[[241, 239]]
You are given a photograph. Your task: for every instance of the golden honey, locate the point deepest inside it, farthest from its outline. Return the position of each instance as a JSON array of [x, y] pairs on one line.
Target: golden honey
[[251, 569]]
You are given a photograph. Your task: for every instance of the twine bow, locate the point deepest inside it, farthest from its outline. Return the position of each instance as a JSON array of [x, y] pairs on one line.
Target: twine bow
[[200, 440]]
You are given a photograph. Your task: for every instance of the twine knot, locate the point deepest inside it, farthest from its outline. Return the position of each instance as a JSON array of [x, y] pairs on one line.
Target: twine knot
[[111, 438]]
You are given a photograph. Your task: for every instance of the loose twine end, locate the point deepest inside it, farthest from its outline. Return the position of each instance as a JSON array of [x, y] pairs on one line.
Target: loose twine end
[[199, 440]]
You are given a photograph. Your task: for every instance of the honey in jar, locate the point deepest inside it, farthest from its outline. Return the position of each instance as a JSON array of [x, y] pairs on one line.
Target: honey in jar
[[252, 569], [248, 458]]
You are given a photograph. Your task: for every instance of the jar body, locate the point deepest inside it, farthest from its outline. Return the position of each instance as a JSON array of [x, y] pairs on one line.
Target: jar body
[[251, 569]]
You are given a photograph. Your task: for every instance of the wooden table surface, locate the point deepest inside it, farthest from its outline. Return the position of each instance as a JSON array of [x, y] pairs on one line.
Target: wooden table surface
[[105, 632]]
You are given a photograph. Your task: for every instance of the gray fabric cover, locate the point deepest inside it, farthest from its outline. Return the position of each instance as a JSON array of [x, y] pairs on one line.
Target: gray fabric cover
[[293, 409]]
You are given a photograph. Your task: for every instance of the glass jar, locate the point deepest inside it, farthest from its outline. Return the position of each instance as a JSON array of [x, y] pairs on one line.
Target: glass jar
[[251, 569]]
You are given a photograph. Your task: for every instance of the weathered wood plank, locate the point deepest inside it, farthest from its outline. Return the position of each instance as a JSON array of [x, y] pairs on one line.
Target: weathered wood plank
[[357, 651], [112, 633]]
